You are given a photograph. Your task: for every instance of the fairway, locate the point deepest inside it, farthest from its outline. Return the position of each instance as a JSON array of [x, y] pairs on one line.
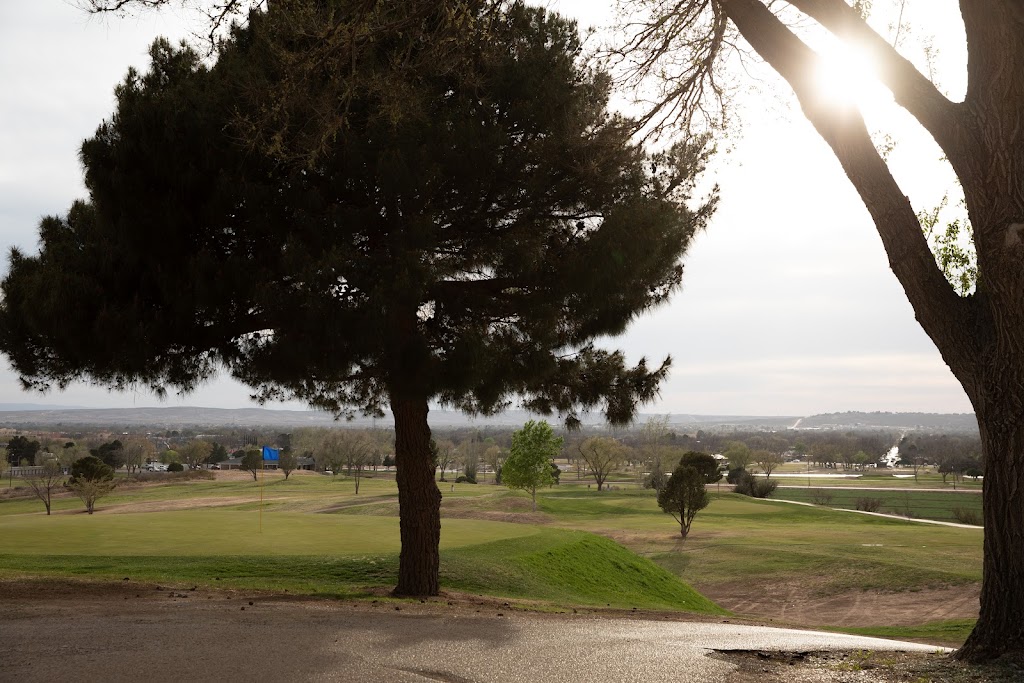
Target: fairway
[[583, 548], [937, 505], [228, 532]]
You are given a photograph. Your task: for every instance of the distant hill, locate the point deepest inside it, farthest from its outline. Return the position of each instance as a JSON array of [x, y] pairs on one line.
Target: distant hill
[[25, 407], [28, 416], [939, 422]]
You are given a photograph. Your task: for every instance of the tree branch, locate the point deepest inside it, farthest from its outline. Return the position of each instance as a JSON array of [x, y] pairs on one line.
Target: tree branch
[[944, 316], [910, 88]]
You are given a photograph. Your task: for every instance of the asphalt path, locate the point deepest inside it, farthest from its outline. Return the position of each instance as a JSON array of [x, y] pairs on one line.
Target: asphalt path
[[215, 639]]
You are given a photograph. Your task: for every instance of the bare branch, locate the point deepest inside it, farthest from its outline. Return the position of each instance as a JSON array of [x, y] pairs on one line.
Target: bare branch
[[940, 311], [910, 88]]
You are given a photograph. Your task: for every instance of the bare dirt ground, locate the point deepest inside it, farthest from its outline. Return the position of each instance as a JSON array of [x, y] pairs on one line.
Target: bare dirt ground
[[798, 604]]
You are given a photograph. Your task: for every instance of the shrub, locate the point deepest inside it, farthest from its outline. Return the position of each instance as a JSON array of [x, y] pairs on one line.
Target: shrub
[[965, 516], [175, 467], [869, 504], [164, 477], [748, 485], [655, 480], [820, 497], [734, 476], [463, 479]]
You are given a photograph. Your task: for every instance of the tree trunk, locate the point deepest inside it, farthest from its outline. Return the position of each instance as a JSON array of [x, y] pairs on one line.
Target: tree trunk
[[1000, 627], [419, 499]]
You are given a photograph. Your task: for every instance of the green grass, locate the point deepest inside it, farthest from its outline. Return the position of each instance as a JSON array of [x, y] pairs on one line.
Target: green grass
[[219, 531], [915, 504], [225, 541], [569, 568], [736, 540], [952, 632], [739, 539], [493, 558]]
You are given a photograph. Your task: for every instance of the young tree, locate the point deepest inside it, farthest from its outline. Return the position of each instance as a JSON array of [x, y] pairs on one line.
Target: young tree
[[358, 448], [705, 464], [91, 479], [252, 462], [287, 463], [767, 461], [44, 483], [979, 334], [602, 454], [528, 466], [465, 247], [683, 496], [445, 450]]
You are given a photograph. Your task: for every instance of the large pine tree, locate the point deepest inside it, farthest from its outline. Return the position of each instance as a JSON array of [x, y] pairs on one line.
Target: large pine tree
[[473, 224]]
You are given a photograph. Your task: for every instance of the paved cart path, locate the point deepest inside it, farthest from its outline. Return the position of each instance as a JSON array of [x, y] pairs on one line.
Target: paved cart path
[[197, 636]]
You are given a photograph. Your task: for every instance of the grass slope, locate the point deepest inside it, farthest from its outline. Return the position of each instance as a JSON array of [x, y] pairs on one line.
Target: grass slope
[[336, 555]]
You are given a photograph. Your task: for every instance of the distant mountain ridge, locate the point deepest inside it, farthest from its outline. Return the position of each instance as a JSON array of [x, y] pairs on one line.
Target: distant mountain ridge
[[956, 422], [33, 415]]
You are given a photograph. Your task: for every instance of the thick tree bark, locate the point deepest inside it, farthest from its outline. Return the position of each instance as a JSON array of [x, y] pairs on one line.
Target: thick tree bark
[[980, 337], [1000, 627], [419, 500]]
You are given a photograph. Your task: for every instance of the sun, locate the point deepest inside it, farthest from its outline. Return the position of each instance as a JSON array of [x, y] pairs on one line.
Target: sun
[[847, 75]]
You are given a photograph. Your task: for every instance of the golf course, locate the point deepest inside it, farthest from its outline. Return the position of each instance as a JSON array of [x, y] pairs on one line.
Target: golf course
[[767, 560]]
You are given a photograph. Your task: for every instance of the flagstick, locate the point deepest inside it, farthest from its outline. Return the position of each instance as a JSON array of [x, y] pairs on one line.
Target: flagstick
[[263, 468]]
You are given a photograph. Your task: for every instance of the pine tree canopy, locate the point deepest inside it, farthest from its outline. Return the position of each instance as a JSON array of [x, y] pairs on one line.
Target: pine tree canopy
[[465, 235]]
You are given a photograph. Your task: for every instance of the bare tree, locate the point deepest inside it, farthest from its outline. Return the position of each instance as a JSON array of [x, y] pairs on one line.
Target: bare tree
[[195, 452], [44, 483], [494, 456], [137, 450], [767, 461], [358, 448], [445, 455], [602, 455]]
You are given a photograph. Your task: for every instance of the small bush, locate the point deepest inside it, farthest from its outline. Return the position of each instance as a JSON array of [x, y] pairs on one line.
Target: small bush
[[748, 485], [965, 516], [869, 504], [820, 497], [175, 467], [463, 479], [655, 480]]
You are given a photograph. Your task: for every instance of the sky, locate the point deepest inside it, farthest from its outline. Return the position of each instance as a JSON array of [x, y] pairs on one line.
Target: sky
[[787, 307]]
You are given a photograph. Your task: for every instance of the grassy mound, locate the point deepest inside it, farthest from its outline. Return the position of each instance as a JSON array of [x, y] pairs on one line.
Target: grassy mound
[[569, 568]]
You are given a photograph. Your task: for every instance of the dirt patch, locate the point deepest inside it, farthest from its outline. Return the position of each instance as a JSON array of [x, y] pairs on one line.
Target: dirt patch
[[493, 508], [799, 604], [169, 505]]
